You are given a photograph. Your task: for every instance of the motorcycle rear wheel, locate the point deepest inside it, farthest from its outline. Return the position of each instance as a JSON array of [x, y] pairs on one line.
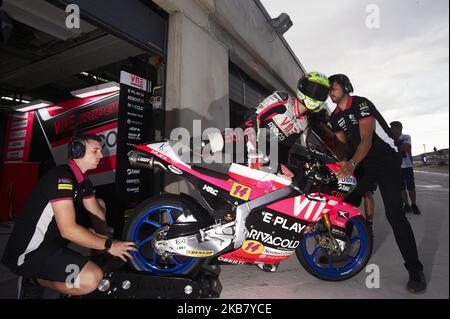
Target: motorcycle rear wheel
[[150, 216]]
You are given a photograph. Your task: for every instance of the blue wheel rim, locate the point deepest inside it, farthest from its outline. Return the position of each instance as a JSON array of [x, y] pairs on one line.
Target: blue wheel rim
[[177, 266], [329, 268]]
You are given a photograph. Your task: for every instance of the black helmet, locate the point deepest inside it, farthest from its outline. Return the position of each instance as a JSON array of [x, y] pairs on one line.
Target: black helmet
[[313, 89]]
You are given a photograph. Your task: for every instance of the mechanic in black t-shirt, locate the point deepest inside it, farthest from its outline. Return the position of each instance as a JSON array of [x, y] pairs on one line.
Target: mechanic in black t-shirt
[[357, 122], [51, 219]]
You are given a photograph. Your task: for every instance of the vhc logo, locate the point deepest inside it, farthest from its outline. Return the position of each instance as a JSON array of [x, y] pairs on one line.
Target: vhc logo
[[210, 190]]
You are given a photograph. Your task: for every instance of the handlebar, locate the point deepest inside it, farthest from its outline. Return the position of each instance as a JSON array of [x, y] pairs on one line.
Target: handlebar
[[299, 180], [303, 182], [308, 186]]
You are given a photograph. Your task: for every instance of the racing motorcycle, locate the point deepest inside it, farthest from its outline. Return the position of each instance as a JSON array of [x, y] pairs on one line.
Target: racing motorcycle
[[248, 216]]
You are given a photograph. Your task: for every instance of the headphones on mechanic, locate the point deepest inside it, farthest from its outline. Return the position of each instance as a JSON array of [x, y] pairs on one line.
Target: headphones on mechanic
[[343, 81], [77, 147]]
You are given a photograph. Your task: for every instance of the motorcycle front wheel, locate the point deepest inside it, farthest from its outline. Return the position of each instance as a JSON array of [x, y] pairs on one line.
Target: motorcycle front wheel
[[149, 217], [331, 267]]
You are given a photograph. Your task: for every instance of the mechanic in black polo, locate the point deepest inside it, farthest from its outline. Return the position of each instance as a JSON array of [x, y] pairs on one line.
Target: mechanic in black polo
[[55, 215], [358, 123]]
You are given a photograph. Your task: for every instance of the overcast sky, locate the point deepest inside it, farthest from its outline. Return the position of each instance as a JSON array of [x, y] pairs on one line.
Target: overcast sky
[[396, 54]]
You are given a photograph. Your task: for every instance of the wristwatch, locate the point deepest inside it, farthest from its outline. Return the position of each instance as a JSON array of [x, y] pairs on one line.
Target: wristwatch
[[108, 244], [354, 163]]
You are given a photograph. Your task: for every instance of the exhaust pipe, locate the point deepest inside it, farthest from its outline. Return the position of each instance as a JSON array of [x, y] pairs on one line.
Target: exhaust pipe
[[143, 160]]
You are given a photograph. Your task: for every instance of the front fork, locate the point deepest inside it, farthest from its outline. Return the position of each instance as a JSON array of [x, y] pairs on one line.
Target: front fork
[[327, 223], [330, 242]]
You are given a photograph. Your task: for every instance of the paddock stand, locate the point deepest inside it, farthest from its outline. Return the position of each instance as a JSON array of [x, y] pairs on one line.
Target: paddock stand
[[129, 284]]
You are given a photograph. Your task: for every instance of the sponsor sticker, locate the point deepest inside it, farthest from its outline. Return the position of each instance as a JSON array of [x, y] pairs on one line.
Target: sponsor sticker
[[18, 134], [65, 184], [343, 214], [269, 239], [19, 124], [13, 155], [65, 187], [199, 253], [240, 191], [277, 252], [210, 190], [253, 247], [231, 261], [16, 144]]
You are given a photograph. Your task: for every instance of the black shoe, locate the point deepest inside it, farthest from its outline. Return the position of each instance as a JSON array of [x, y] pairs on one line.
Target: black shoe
[[29, 289], [417, 283], [407, 208], [415, 209]]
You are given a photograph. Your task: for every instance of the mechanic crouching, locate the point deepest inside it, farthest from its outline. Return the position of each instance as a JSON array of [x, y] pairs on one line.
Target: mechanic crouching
[[52, 218]]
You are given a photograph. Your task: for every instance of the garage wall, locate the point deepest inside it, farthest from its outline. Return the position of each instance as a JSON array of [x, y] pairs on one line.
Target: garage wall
[[197, 80], [204, 36]]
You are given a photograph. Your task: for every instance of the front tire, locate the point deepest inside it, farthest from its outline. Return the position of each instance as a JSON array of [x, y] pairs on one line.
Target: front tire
[[337, 268], [150, 216]]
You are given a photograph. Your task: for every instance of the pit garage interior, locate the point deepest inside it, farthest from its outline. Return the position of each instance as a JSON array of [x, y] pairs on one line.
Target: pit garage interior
[[44, 63]]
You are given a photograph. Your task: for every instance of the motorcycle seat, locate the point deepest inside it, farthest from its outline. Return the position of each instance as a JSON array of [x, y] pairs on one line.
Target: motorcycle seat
[[215, 170]]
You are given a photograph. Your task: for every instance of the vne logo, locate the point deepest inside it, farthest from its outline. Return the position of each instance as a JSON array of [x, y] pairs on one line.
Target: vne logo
[[137, 81]]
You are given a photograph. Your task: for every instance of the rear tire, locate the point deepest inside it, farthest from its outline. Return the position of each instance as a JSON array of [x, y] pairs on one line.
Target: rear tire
[[140, 227], [340, 267]]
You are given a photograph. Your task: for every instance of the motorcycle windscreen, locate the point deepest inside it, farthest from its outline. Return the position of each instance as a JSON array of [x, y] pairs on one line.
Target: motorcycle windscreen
[[313, 141]]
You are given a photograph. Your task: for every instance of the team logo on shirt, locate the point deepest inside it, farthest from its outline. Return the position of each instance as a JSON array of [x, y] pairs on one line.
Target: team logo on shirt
[[342, 125], [65, 184], [353, 119], [364, 109]]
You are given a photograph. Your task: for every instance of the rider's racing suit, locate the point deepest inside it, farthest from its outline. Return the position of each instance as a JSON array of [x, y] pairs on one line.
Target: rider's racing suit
[[279, 115]]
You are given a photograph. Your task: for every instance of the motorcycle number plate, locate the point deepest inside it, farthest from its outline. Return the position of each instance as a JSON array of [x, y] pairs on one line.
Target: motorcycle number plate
[[240, 191]]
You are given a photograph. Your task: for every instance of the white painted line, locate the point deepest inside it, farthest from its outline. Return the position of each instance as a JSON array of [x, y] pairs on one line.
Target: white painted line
[[429, 186], [431, 173]]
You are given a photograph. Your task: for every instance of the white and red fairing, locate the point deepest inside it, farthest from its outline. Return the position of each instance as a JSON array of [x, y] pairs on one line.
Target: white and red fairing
[[262, 183]]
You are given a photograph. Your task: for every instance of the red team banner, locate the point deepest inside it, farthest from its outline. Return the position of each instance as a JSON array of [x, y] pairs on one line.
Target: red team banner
[[19, 128], [92, 115]]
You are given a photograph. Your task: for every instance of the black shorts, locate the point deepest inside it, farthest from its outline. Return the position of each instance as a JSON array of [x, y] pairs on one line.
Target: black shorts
[[408, 182], [61, 265]]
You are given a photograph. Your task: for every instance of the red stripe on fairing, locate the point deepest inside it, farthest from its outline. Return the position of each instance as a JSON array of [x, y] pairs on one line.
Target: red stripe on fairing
[[97, 130], [271, 259], [334, 167], [242, 256]]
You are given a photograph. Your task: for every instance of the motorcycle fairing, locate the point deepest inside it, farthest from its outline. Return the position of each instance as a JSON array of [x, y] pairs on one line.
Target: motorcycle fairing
[[245, 184]]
